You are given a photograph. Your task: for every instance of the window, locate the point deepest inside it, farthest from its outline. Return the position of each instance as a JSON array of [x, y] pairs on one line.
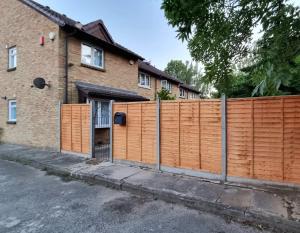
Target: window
[[166, 85], [92, 56], [12, 58], [193, 96], [12, 111], [144, 80], [181, 92]]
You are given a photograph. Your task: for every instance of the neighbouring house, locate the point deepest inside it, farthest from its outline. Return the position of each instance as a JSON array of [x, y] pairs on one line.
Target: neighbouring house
[[79, 63], [154, 79]]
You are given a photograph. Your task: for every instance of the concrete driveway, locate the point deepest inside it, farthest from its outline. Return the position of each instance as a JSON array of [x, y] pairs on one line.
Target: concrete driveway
[[31, 201]]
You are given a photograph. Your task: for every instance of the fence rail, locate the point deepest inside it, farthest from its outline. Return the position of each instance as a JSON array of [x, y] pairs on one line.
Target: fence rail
[[262, 136]]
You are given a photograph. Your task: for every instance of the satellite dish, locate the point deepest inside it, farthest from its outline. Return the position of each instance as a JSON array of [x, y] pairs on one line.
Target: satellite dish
[[40, 83]]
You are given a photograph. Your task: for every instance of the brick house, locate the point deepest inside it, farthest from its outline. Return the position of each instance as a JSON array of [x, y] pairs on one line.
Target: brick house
[[78, 62]]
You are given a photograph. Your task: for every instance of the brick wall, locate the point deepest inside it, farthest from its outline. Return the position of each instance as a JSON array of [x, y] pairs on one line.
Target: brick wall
[[37, 114], [118, 72]]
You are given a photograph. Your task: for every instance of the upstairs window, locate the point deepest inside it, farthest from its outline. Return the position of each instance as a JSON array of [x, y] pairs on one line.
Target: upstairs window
[[12, 111], [92, 56], [181, 93], [12, 58], [166, 85], [144, 80]]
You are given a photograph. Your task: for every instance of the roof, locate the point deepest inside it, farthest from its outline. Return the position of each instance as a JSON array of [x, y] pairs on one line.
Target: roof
[[99, 30], [95, 29], [108, 92], [146, 67], [189, 87]]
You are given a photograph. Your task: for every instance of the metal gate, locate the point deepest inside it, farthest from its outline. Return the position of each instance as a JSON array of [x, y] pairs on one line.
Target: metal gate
[[102, 129]]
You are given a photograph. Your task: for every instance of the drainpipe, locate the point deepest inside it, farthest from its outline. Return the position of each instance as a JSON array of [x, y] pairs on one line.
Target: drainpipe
[[67, 65]]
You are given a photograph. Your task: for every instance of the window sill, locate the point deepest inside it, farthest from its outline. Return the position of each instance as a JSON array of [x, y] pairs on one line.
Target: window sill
[[93, 67], [145, 87], [182, 97], [11, 69], [11, 122]]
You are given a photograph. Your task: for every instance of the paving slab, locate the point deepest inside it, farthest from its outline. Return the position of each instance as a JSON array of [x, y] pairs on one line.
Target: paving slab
[[268, 204], [116, 172], [182, 186], [236, 197], [295, 206]]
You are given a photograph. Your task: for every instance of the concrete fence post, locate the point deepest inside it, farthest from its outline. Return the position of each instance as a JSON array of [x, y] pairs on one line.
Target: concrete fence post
[[111, 117], [92, 129], [224, 136], [59, 126], [158, 134]]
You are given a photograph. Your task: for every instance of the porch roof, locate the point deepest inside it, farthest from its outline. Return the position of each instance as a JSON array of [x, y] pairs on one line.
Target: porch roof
[[93, 90]]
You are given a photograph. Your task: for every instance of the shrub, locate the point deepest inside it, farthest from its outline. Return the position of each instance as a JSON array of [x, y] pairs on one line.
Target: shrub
[[164, 94]]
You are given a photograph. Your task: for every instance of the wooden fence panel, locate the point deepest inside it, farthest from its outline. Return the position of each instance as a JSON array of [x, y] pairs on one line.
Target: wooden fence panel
[[240, 138], [136, 141], [134, 132], [66, 127], [190, 135], [263, 138], [75, 128], [120, 134], [169, 134], [211, 136], [149, 133], [268, 139], [292, 140]]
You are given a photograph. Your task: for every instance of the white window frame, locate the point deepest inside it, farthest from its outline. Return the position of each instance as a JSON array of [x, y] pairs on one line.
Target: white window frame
[[12, 57], [181, 93], [193, 95], [10, 102], [144, 84], [165, 84], [93, 49], [98, 119]]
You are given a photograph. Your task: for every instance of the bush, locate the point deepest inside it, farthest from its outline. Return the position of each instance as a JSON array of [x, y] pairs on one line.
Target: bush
[[164, 94]]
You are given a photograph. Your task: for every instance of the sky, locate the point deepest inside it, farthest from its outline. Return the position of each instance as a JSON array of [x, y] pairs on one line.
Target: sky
[[139, 25]]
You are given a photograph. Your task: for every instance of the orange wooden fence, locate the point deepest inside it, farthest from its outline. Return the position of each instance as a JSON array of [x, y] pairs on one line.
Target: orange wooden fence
[[191, 135], [263, 136], [137, 140], [75, 128]]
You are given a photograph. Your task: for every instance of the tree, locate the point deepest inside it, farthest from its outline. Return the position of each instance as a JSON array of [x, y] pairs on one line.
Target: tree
[[184, 72], [189, 74], [219, 34], [276, 69]]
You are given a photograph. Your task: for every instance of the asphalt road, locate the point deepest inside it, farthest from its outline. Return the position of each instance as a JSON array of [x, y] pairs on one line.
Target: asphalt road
[[33, 202]]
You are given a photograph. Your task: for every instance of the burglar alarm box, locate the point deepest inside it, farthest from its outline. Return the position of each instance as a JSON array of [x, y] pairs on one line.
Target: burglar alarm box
[[120, 118]]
